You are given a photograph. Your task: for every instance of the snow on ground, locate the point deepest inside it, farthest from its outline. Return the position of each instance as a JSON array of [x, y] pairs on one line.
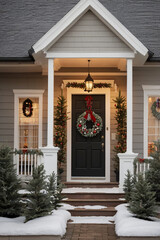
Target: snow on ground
[[54, 224], [92, 219], [91, 190], [66, 206], [128, 225]]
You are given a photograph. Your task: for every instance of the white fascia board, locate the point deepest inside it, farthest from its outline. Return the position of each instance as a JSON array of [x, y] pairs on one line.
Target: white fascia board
[[90, 55], [74, 15]]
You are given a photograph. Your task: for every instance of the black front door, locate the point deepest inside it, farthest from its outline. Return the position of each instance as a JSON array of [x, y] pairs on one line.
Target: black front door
[[88, 153]]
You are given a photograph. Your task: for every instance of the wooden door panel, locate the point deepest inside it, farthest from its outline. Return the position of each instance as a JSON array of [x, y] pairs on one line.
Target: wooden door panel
[[88, 159]]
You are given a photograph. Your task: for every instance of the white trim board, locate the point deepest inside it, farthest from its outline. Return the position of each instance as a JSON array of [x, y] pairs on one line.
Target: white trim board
[[106, 92], [76, 13], [149, 91], [90, 55], [23, 93]]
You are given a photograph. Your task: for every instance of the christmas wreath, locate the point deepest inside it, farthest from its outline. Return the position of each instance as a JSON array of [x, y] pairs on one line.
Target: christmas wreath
[[88, 115], [82, 124], [154, 111], [27, 107]]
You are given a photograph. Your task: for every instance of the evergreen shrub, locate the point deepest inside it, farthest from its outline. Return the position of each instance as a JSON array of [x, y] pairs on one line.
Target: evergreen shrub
[[10, 204], [142, 200], [153, 174]]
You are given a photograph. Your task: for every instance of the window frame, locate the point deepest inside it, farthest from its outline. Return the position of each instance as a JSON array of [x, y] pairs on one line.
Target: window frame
[[23, 93], [149, 91]]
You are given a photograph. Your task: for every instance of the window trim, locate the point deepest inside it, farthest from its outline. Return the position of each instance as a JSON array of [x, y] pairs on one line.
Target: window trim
[[23, 93], [149, 90]]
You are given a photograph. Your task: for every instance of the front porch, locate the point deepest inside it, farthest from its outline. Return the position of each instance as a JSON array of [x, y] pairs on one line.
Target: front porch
[[88, 32], [59, 78]]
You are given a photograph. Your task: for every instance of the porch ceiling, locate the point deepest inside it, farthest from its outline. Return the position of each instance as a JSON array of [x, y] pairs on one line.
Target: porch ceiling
[[95, 62]]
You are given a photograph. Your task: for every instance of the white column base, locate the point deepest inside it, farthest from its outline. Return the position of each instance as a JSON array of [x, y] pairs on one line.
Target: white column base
[[49, 159], [125, 163]]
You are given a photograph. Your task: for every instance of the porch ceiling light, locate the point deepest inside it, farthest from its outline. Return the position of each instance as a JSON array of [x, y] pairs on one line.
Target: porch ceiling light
[[89, 83]]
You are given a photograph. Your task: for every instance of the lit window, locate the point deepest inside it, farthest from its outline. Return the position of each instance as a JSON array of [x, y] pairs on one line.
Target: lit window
[[153, 122], [28, 126]]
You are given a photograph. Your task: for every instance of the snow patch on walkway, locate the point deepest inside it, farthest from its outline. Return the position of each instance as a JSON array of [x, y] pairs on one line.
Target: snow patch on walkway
[[92, 219]]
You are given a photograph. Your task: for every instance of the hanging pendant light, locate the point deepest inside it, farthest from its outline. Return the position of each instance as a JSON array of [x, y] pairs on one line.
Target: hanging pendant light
[[89, 83]]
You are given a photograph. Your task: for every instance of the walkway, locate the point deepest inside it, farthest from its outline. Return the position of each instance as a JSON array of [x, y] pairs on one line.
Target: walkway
[[90, 232]]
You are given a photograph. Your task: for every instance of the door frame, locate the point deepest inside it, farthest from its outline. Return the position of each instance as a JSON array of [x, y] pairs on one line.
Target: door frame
[[99, 91]]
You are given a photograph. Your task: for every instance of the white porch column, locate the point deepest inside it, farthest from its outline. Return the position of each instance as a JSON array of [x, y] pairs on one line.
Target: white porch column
[[50, 102], [129, 105], [49, 159], [127, 159]]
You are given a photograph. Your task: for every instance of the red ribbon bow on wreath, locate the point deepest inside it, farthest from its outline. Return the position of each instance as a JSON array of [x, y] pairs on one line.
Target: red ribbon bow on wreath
[[88, 100]]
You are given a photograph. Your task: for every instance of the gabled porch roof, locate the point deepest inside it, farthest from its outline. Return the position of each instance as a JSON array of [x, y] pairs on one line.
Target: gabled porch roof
[[104, 15]]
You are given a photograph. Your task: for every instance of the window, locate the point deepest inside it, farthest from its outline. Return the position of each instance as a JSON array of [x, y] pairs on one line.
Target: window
[[151, 123], [28, 126], [28, 129]]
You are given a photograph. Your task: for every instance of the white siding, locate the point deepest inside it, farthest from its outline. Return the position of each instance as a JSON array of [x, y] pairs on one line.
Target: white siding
[[89, 34]]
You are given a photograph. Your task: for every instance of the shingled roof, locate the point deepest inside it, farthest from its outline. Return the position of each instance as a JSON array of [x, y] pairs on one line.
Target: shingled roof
[[22, 23]]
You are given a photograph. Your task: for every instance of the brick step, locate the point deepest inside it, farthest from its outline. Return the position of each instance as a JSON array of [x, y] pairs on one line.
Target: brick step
[[85, 195], [92, 202], [91, 185], [111, 211]]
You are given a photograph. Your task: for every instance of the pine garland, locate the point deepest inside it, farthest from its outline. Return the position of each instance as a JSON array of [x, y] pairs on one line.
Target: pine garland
[[28, 151], [120, 117], [60, 122], [82, 85]]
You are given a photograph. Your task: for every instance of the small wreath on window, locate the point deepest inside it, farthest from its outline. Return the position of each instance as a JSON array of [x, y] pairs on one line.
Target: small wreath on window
[[27, 107], [154, 110], [82, 124]]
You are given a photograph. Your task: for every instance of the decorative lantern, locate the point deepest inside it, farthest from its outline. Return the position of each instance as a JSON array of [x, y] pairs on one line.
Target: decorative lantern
[[27, 107], [89, 83]]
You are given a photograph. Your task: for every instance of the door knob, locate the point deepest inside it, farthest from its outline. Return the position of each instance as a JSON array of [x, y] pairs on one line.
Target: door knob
[[102, 137], [102, 144]]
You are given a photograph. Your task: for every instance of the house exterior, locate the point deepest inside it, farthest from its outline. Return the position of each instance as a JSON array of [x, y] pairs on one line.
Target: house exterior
[[45, 45]]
